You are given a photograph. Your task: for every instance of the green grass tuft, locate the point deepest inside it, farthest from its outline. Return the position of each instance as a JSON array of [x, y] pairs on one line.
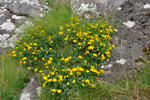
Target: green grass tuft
[[13, 78]]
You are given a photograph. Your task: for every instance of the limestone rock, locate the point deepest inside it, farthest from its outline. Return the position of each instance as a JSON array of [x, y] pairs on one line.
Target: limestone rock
[[94, 8], [23, 7]]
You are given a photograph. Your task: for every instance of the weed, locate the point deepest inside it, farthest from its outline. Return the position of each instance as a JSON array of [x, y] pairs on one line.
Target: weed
[[65, 51]]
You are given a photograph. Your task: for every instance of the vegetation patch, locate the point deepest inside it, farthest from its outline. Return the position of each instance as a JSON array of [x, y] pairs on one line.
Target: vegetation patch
[[66, 52], [13, 78]]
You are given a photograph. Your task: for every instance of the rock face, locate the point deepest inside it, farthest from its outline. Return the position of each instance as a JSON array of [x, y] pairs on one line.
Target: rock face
[[24, 7], [132, 36], [94, 8], [32, 90], [12, 14]]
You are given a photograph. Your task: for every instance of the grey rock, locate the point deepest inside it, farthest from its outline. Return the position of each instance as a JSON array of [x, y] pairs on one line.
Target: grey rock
[[129, 42], [23, 7], [94, 8], [30, 92]]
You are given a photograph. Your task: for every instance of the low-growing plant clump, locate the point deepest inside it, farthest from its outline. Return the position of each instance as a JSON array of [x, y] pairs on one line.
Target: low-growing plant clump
[[68, 58]]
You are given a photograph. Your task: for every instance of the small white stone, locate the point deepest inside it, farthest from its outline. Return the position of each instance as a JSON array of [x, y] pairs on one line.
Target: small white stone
[[121, 61], [13, 39], [25, 96], [129, 24], [16, 17], [109, 66], [8, 20], [41, 9], [29, 23], [6, 35], [102, 66], [12, 45], [46, 3], [147, 6], [2, 15], [39, 90], [32, 80], [107, 59], [119, 8], [9, 26], [41, 15]]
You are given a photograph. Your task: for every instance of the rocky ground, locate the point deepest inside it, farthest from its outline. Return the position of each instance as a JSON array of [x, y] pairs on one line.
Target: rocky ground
[[133, 31], [132, 36]]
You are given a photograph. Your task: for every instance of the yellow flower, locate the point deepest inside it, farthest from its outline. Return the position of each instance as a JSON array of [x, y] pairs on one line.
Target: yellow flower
[[102, 57], [115, 29], [35, 44], [90, 47], [13, 52], [50, 48], [43, 59], [14, 55], [71, 73], [24, 58], [92, 86], [74, 41], [49, 80], [29, 47], [54, 80], [35, 58], [79, 43], [87, 52], [24, 49], [73, 81], [24, 62], [102, 71], [94, 54], [87, 71], [80, 57], [36, 70], [68, 30], [52, 73], [53, 90], [85, 61], [33, 53], [83, 85], [92, 67], [113, 46], [61, 28], [74, 31], [66, 39], [87, 81], [61, 32], [67, 83], [28, 68], [45, 78], [59, 91], [40, 71]]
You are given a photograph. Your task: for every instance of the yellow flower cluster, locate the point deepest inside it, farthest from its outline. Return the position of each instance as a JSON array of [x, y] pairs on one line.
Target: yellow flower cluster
[[56, 90], [88, 45], [66, 59]]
